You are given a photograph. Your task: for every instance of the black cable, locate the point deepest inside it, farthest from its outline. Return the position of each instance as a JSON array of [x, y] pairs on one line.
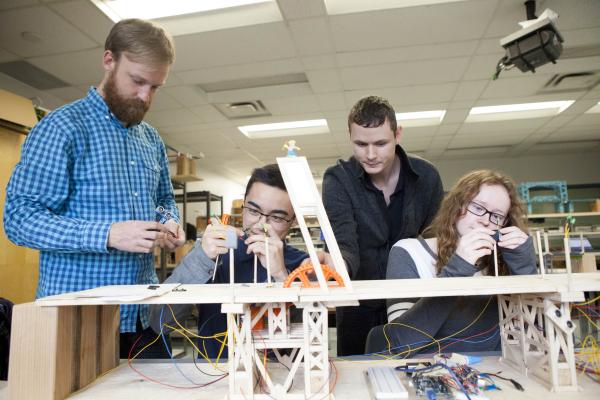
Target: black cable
[[499, 67], [516, 384]]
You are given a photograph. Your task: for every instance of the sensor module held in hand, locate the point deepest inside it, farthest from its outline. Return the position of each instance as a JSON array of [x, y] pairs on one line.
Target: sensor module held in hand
[[497, 236], [231, 240]]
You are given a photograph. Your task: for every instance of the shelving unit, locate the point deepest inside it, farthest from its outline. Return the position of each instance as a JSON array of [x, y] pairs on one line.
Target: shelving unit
[[564, 215], [185, 198], [552, 224], [199, 197], [294, 237]]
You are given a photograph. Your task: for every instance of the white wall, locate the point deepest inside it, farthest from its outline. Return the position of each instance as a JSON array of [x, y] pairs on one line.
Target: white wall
[[574, 168], [213, 183]]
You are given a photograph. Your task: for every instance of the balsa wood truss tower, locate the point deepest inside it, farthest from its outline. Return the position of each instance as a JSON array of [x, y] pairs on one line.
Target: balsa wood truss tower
[[64, 342], [306, 343]]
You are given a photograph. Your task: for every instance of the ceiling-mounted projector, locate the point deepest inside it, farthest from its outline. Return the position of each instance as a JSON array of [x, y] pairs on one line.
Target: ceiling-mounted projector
[[538, 42]]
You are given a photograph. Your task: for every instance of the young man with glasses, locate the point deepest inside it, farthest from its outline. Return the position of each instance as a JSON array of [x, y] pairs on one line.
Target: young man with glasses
[[377, 197], [267, 216]]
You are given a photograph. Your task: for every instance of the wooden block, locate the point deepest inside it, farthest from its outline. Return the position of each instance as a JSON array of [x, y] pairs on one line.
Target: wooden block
[[88, 344], [109, 338], [41, 352], [56, 351]]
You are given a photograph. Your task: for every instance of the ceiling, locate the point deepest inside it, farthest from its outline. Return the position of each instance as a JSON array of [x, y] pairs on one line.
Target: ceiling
[[302, 63]]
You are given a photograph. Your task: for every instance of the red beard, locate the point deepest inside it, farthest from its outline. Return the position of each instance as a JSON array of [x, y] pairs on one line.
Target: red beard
[[128, 111]]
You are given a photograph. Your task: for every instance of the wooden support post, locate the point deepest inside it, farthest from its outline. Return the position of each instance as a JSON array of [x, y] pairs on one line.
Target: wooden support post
[[56, 351], [540, 253]]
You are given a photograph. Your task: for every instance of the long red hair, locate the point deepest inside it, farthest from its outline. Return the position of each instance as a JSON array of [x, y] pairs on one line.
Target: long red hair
[[454, 206]]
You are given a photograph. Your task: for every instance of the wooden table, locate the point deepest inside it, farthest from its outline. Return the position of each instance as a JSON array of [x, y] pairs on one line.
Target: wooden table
[[65, 343], [123, 383]]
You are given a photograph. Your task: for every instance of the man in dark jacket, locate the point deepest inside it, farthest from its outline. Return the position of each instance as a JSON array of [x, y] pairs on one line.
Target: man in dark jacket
[[377, 197]]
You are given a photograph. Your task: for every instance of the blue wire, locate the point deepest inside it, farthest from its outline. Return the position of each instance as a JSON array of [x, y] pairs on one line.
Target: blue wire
[[596, 313], [496, 332], [170, 354]]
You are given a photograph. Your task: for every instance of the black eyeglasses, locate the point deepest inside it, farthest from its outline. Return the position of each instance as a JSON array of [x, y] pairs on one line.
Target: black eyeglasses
[[479, 210], [271, 218]]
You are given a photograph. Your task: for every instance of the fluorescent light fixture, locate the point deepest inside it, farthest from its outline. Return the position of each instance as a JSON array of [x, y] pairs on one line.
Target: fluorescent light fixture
[[518, 111], [154, 9], [594, 110], [280, 129], [335, 7], [420, 118]]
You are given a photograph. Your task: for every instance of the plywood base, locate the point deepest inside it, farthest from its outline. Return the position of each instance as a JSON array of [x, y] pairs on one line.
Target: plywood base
[[56, 351]]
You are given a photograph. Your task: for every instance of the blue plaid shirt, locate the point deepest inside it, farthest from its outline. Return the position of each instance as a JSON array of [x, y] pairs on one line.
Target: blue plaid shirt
[[80, 171]]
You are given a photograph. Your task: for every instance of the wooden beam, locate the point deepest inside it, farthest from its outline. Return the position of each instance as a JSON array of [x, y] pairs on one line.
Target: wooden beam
[[55, 350]]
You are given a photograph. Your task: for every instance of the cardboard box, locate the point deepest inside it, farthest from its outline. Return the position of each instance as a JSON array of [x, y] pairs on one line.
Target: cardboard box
[[583, 263], [181, 251], [182, 165], [237, 204], [201, 223], [186, 166], [192, 167], [595, 206]]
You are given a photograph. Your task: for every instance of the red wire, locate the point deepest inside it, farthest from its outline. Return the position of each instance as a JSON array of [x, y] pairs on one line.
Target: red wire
[[470, 337], [129, 362]]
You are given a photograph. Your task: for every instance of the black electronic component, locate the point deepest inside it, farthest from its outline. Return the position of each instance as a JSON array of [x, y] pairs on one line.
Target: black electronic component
[[496, 236]]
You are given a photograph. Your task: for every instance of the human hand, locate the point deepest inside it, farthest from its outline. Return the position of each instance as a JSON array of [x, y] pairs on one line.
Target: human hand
[[136, 236], [324, 259], [475, 244], [175, 235], [214, 240], [256, 245], [512, 237]]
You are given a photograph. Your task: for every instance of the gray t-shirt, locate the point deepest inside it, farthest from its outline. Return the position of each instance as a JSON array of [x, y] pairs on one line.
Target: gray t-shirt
[[440, 317]]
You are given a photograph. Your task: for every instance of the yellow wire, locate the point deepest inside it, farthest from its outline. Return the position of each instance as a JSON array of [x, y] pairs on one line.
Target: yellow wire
[[389, 344], [216, 337], [182, 331], [435, 340], [593, 355], [145, 347], [589, 301], [203, 354], [590, 320]]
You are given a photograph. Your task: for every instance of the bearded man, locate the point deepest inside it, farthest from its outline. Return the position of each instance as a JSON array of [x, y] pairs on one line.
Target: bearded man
[[92, 174]]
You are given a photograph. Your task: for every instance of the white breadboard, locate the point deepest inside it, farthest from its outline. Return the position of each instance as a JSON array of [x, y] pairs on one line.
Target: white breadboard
[[385, 383]]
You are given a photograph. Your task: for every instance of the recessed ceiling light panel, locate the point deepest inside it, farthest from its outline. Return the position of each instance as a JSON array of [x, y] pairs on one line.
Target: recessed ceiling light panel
[[518, 111], [154, 9], [420, 118], [285, 129], [594, 110]]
